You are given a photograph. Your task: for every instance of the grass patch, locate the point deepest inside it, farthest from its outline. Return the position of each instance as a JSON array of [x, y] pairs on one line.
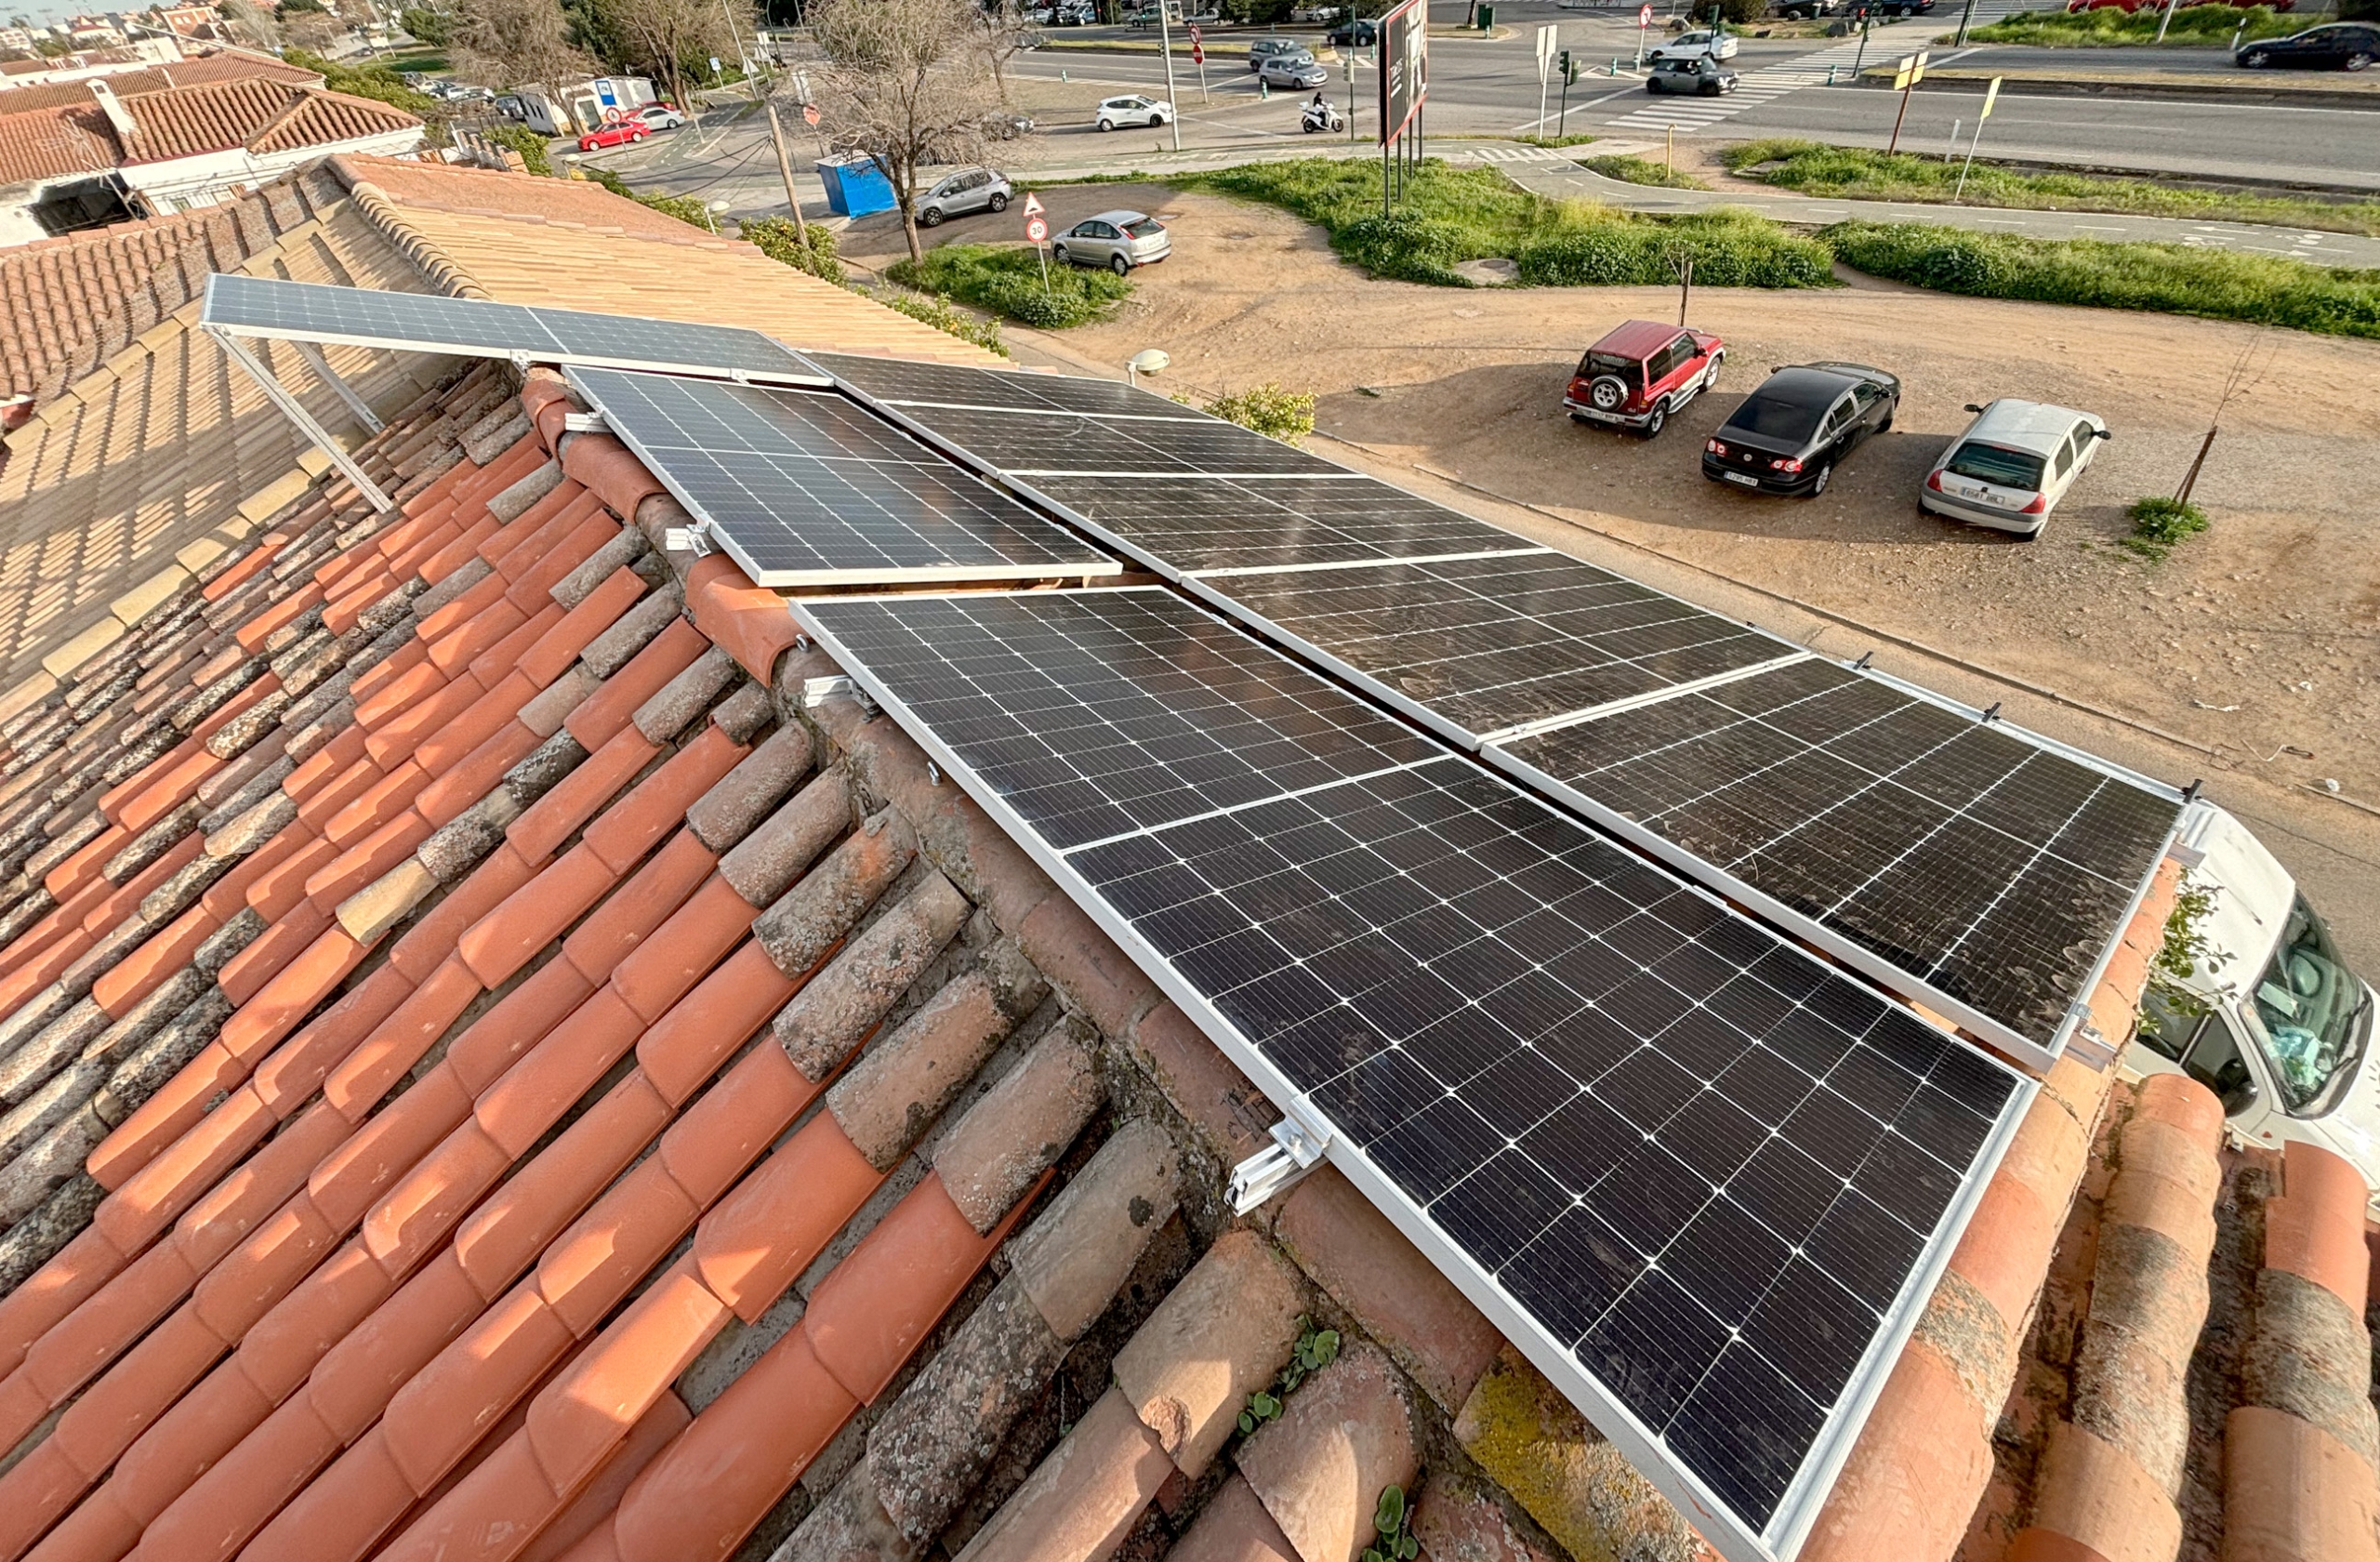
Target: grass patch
[[2172, 279], [1452, 215], [2193, 26], [1641, 170], [1006, 280], [1547, 140], [2160, 526], [1857, 173]]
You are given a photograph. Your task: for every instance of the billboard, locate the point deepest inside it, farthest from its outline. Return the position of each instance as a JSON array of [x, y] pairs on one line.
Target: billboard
[[1404, 65]]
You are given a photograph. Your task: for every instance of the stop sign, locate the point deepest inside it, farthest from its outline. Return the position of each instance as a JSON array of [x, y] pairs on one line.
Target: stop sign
[[1197, 54], [1036, 230], [1645, 17]]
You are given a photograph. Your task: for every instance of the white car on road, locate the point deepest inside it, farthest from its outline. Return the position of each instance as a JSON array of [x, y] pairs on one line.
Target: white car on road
[[1702, 43], [2012, 465], [1133, 108]]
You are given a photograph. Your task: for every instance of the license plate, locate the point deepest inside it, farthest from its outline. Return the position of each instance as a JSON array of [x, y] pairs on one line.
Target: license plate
[[1739, 477]]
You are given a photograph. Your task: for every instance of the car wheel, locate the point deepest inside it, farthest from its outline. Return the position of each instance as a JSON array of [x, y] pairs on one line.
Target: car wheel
[[2359, 61], [1818, 486], [1608, 393], [1108, 125], [1120, 266], [1886, 426], [1658, 421], [1058, 253], [2255, 59], [1711, 374], [930, 217], [999, 203]]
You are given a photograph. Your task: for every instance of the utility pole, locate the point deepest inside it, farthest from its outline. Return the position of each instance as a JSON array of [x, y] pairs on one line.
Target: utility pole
[[785, 169], [1165, 34], [1966, 16]]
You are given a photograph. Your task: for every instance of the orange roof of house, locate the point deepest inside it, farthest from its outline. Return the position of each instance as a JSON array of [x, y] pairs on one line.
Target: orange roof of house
[[252, 112], [50, 143], [230, 65]]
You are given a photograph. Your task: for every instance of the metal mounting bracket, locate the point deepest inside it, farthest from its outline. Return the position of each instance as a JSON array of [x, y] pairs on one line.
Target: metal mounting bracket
[[1296, 1151], [299, 418], [686, 539], [816, 692], [328, 376], [585, 423]]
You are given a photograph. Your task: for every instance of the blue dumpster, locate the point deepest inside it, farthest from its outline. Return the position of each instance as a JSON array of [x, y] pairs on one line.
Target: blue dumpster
[[855, 186]]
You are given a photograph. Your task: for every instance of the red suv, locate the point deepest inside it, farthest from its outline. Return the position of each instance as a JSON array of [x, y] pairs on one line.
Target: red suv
[[1642, 372]]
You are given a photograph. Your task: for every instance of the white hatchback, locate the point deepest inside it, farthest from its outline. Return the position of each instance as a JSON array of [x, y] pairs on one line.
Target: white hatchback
[[1702, 43], [1132, 109], [2012, 465]]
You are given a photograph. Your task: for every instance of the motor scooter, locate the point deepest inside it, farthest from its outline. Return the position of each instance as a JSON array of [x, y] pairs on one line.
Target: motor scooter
[[1320, 117]]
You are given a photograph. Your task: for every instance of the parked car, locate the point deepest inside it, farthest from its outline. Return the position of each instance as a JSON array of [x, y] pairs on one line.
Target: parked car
[[1262, 50], [1901, 8], [620, 132], [1354, 35], [1789, 436], [968, 189], [660, 116], [1294, 71], [1117, 240], [1697, 44], [2342, 46], [1641, 372], [1807, 10], [1006, 126], [1133, 108], [2012, 465], [2271, 1018], [1699, 75]]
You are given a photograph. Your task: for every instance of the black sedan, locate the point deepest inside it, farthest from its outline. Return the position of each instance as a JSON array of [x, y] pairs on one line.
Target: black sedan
[[1788, 436], [2342, 46]]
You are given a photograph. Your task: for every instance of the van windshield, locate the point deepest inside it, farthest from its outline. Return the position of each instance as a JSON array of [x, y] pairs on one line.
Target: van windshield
[[1996, 464], [2316, 1012]]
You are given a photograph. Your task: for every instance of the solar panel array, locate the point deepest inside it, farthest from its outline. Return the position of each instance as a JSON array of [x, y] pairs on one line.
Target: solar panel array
[[804, 488], [1704, 1179], [477, 327], [1980, 862], [1488, 640]]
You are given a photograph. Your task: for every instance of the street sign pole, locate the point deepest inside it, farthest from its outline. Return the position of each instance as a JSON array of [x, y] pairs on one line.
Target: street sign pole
[[1643, 21], [1165, 36], [1199, 58], [1036, 228], [1544, 71], [1859, 57], [785, 171], [1991, 96], [1911, 71], [1966, 16]]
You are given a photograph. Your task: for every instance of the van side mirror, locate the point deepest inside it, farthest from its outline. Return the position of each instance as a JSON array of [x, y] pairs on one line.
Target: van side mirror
[[1972, 407], [2103, 433]]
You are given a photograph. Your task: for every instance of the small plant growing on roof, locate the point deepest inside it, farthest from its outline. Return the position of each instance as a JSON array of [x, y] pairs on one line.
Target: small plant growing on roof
[[1315, 1349], [2186, 948], [1270, 410], [1393, 1523], [2159, 525]]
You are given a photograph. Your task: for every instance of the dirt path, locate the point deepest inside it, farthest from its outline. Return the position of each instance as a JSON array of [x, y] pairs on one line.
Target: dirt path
[[2263, 635]]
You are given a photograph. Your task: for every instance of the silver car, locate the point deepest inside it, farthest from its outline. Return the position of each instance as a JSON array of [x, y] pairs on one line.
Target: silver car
[[2013, 465], [968, 189], [1117, 240], [1291, 70]]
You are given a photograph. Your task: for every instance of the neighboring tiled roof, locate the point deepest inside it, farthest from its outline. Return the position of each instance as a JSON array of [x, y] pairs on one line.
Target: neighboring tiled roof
[[51, 143], [488, 1069], [263, 116], [226, 66], [488, 235]]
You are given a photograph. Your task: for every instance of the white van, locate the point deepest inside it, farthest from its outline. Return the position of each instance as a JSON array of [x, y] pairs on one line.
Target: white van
[[2272, 1019]]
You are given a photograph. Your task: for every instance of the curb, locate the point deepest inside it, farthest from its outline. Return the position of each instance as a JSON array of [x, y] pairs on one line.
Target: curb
[[2258, 96]]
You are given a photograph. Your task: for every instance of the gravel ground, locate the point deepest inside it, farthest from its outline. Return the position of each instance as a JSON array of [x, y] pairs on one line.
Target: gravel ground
[[2254, 639]]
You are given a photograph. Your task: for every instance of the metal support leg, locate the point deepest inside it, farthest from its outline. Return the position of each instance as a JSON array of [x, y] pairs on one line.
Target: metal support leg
[[1296, 1150], [355, 403], [294, 410]]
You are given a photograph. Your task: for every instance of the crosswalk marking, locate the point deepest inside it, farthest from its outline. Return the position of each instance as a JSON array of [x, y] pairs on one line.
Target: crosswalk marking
[[1689, 114]]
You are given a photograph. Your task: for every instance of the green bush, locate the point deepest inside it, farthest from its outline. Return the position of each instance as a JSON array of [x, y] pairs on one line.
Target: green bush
[[2173, 279], [2159, 525], [688, 209], [531, 146], [938, 313], [424, 24], [1641, 171], [779, 240], [2195, 25], [1813, 168], [1284, 415], [1452, 215], [377, 81], [1006, 280]]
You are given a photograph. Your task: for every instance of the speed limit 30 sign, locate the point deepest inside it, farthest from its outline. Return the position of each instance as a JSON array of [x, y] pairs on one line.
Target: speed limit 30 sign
[[1036, 230]]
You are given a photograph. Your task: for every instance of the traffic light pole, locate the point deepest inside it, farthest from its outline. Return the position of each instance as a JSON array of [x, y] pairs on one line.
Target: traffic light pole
[[1562, 127], [1165, 34], [1967, 16]]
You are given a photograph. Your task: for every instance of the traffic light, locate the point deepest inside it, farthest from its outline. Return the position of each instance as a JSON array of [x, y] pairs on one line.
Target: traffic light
[[1569, 68]]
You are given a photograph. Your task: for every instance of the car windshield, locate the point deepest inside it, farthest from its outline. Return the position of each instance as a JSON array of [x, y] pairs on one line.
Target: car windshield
[[1146, 228], [2315, 1013], [1996, 464], [1774, 417]]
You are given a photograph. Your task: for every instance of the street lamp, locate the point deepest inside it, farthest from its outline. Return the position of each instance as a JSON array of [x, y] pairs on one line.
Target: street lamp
[[1148, 360]]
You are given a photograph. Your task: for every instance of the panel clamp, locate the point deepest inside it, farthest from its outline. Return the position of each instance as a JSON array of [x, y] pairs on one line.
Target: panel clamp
[[1296, 1150], [585, 423], [816, 692], [686, 539]]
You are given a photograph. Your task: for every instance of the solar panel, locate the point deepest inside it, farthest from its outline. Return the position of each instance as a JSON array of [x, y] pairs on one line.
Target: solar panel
[[476, 327], [894, 380], [1035, 441], [1980, 869], [1702, 1179], [803, 488], [1477, 647]]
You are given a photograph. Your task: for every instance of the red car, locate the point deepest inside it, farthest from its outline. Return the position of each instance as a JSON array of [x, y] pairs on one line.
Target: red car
[[1642, 372], [619, 133], [2129, 7]]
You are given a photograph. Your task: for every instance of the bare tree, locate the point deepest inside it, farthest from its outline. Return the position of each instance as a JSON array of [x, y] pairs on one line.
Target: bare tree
[[663, 35], [513, 43], [906, 82], [1001, 35], [251, 23]]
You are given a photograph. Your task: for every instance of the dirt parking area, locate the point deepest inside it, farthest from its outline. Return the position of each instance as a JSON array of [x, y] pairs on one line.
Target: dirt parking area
[[2253, 641]]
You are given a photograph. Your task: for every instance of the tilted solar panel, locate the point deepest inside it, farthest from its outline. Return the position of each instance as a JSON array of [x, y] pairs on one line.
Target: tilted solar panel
[[477, 327], [1933, 848], [803, 488], [1705, 1180]]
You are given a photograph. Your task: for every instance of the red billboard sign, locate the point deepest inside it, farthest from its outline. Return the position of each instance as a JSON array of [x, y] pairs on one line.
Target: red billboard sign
[[1404, 65]]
